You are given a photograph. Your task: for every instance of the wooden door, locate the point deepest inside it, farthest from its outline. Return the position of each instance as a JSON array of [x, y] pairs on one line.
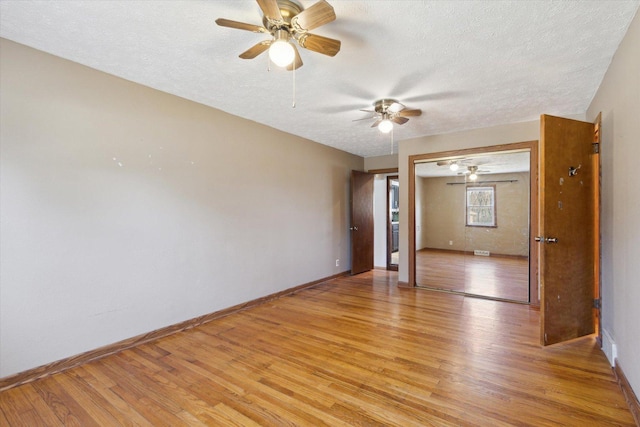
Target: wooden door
[[361, 222], [567, 228]]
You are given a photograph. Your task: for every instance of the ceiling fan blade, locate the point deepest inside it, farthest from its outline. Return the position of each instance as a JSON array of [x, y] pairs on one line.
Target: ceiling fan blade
[[400, 120], [297, 61], [377, 122], [255, 50], [364, 118], [444, 163], [409, 113], [320, 44], [316, 15], [368, 111], [270, 9], [240, 25], [395, 107]]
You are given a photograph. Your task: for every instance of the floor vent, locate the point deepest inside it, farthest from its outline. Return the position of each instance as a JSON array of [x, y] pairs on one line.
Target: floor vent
[[481, 253]]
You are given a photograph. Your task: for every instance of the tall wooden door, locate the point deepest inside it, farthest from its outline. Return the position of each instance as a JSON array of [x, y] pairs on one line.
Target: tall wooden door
[[567, 225], [361, 222]]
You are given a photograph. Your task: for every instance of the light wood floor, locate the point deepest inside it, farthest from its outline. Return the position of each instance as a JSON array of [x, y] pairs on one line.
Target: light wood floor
[[353, 351], [497, 277]]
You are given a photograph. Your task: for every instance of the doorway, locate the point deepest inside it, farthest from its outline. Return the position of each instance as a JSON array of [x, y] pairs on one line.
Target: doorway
[[393, 217], [471, 223]]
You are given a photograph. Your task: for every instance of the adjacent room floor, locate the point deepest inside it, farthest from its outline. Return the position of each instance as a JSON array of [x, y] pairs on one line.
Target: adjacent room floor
[[489, 276]]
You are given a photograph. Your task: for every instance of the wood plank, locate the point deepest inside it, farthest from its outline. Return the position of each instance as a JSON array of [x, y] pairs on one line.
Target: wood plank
[[352, 351], [498, 277]]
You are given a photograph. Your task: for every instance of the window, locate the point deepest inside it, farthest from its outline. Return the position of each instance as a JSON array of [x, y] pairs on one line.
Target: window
[[481, 206]]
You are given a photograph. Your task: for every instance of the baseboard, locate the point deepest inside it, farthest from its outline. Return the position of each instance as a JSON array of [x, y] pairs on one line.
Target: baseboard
[[629, 395], [464, 252], [404, 285], [91, 355]]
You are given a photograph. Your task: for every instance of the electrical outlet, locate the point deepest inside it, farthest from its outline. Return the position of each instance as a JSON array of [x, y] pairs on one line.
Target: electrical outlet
[[337, 263]]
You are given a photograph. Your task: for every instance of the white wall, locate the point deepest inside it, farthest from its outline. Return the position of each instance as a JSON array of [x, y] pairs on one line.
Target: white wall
[[618, 98], [124, 209]]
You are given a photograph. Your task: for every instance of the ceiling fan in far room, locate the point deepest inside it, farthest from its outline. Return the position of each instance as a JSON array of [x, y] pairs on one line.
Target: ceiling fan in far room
[[453, 165], [472, 172], [287, 20], [387, 112]]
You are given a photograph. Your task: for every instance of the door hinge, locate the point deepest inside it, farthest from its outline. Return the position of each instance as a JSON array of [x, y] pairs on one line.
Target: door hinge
[[597, 303], [596, 147]]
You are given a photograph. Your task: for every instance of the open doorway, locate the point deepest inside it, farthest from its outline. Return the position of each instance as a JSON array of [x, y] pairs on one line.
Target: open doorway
[[386, 255], [470, 222], [393, 217]]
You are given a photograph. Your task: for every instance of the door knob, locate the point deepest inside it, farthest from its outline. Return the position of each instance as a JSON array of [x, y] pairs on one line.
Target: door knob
[[539, 239], [353, 228]]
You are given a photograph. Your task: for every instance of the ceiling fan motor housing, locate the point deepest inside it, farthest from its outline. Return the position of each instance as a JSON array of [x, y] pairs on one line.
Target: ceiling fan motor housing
[[288, 9], [383, 105]]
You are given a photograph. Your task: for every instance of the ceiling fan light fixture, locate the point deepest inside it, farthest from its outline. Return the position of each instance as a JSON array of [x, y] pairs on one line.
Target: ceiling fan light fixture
[[281, 52], [454, 166], [385, 126], [473, 176]]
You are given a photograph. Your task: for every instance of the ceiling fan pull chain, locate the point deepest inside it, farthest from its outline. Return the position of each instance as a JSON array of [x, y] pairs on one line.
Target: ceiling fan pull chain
[[391, 140], [293, 105]]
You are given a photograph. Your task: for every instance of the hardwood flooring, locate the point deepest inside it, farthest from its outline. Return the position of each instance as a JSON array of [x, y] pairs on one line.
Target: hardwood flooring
[[497, 277], [351, 351]]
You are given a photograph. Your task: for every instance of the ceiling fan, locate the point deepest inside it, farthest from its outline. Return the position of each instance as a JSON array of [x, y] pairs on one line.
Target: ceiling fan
[[389, 111], [454, 165], [287, 20], [472, 172]]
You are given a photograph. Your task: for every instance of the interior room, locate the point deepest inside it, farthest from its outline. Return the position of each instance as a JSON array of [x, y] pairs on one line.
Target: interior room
[[457, 249], [178, 229]]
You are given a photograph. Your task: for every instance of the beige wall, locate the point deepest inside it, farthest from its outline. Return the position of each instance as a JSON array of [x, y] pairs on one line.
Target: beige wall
[[381, 162], [124, 209], [442, 216], [618, 98]]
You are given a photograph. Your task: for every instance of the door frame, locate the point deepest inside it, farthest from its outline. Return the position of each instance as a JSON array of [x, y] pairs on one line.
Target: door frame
[[532, 146], [597, 179]]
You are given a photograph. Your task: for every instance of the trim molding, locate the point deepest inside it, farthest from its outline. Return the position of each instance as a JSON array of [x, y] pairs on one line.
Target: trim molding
[[629, 395], [91, 355], [404, 285], [387, 170], [462, 252]]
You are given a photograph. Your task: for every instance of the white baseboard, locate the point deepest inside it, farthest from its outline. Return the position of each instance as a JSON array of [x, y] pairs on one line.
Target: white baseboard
[[609, 347]]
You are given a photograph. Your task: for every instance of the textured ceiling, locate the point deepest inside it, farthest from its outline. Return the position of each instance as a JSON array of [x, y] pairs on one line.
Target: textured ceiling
[[466, 64], [487, 163]]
